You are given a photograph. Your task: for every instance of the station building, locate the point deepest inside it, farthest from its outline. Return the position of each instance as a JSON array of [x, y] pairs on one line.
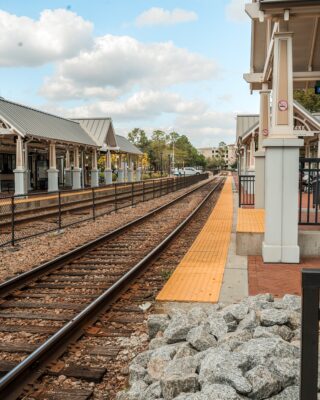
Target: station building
[[281, 145], [42, 151]]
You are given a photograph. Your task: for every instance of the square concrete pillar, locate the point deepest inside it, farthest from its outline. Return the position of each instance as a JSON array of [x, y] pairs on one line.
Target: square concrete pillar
[[108, 176], [76, 178], [138, 174], [19, 182], [94, 178], [120, 175], [281, 200], [53, 180]]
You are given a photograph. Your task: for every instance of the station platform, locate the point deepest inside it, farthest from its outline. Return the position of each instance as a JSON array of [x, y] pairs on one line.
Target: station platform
[[199, 275]]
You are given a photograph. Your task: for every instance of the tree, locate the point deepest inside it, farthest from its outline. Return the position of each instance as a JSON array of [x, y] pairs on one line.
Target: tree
[[308, 99], [139, 138]]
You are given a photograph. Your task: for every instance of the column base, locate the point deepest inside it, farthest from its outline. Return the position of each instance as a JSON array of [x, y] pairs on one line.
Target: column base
[[138, 174], [280, 254], [108, 176], [67, 177], [19, 182], [120, 175], [94, 178], [130, 175], [76, 178], [53, 180]]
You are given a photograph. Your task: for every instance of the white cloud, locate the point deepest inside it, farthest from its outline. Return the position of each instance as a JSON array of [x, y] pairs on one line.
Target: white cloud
[[204, 126], [160, 16], [57, 34], [118, 64], [139, 106], [235, 11]]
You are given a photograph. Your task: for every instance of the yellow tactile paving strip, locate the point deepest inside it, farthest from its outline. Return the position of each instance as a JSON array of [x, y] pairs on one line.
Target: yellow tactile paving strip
[[250, 220], [198, 277]]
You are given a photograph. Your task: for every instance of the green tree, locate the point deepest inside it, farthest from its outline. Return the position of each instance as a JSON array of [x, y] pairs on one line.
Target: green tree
[[139, 138], [308, 99]]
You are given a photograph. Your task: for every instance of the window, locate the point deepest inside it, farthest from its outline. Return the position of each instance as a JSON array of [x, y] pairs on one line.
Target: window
[[7, 163]]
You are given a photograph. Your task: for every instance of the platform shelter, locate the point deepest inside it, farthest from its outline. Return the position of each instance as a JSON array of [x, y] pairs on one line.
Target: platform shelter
[[128, 156], [284, 56], [43, 151]]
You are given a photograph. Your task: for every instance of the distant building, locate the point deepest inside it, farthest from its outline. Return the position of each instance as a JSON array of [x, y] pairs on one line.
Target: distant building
[[228, 153]]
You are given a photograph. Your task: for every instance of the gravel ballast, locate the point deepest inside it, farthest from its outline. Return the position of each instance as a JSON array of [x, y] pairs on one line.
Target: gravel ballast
[[249, 350]]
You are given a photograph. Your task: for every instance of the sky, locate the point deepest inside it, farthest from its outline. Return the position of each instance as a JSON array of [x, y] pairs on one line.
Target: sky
[[149, 64]]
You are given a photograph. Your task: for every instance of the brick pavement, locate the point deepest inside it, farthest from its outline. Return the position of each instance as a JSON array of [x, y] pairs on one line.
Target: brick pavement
[[277, 279]]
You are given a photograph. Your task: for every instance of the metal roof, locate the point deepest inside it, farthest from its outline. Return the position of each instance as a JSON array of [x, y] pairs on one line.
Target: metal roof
[[245, 123], [127, 147], [103, 133], [100, 129], [29, 121], [303, 19]]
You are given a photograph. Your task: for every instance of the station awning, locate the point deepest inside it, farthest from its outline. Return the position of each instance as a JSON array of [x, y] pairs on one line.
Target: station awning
[[296, 16]]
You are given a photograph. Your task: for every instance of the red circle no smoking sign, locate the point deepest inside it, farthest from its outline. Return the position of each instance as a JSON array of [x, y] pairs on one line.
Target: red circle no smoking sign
[[283, 105]]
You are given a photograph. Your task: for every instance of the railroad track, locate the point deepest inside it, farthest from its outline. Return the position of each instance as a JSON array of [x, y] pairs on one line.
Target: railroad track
[[60, 298], [145, 189], [33, 219]]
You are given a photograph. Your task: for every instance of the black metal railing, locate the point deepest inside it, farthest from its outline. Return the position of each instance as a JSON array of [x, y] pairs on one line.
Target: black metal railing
[[309, 334], [246, 190], [309, 189], [33, 214]]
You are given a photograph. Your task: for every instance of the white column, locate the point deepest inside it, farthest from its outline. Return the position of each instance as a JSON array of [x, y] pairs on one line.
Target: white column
[[264, 129], [76, 172], [52, 171], [94, 170], [26, 167], [19, 172], [282, 163], [120, 169], [67, 169], [130, 171], [108, 169], [318, 154], [244, 159], [252, 150], [139, 170]]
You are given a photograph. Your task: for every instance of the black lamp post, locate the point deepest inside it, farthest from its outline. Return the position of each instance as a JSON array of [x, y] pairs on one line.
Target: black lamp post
[[161, 169]]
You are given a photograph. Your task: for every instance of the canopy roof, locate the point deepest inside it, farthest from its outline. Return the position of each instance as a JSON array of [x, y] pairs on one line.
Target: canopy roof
[[297, 16], [28, 121], [312, 120], [102, 132]]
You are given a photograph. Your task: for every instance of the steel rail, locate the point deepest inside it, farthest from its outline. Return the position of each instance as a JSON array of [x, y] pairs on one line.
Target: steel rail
[[21, 280], [12, 384]]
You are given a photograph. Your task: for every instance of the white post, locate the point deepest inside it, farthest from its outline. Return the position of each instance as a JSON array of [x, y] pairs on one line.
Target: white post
[[318, 153], [282, 163], [52, 171], [76, 172], [67, 169], [108, 169], [139, 170], [264, 129], [120, 169], [19, 172], [94, 169], [244, 159], [130, 172]]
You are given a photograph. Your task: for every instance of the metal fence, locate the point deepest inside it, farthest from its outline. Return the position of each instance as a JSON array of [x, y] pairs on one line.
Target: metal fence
[[309, 334], [34, 214], [246, 190], [309, 188]]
